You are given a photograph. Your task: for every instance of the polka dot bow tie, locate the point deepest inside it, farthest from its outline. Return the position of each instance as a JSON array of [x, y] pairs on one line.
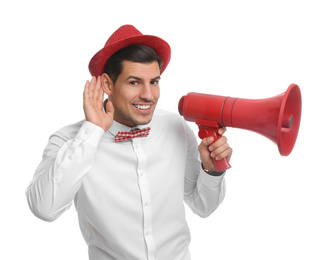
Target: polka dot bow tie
[[122, 136]]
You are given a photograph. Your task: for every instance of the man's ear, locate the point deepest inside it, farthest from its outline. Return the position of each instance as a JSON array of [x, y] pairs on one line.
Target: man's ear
[[107, 84]]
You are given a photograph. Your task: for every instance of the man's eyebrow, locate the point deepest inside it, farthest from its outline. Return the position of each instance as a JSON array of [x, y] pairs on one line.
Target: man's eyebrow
[[156, 78], [133, 77], [137, 78]]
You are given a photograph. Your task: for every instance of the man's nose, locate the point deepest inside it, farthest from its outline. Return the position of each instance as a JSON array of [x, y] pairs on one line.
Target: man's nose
[[146, 92]]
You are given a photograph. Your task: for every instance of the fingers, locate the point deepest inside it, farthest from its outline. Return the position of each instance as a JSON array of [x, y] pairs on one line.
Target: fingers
[[90, 88], [221, 130], [93, 92], [218, 150], [98, 91], [109, 107], [203, 146], [86, 90]]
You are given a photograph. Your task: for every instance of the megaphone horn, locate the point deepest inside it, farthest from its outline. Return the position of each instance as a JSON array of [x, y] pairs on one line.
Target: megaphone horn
[[277, 118]]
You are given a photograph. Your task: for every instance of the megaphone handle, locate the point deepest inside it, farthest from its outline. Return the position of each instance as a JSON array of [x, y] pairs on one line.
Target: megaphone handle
[[221, 165]]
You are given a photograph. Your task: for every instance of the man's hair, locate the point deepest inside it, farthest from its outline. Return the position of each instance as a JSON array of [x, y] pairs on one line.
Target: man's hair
[[136, 53]]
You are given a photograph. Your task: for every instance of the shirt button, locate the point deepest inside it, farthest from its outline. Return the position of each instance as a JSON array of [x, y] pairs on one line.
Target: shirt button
[[141, 173], [136, 146], [146, 204], [86, 132], [69, 156], [147, 233]]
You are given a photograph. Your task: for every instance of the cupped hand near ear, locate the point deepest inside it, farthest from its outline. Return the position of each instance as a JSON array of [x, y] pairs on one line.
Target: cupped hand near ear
[[93, 104]]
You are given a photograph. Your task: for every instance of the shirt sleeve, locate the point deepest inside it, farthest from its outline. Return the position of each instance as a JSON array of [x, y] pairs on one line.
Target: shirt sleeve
[[203, 193], [59, 175]]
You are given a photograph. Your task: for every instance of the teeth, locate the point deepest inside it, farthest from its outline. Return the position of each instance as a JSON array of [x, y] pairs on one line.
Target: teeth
[[143, 107]]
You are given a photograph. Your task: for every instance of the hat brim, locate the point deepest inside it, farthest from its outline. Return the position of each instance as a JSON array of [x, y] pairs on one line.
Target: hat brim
[[161, 47]]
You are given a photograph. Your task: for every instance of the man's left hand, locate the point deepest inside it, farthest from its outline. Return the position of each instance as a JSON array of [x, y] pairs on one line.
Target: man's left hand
[[219, 150]]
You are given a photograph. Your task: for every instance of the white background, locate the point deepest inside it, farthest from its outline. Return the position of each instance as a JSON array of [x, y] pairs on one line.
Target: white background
[[275, 206]]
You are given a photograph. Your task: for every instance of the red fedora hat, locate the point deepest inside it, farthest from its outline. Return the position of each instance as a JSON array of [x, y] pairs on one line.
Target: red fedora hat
[[125, 36]]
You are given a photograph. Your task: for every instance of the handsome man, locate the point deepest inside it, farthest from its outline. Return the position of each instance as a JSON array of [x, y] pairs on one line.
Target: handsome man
[[129, 188]]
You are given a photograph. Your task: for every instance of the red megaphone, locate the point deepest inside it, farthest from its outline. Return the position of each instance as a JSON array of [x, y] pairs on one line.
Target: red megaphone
[[277, 118]]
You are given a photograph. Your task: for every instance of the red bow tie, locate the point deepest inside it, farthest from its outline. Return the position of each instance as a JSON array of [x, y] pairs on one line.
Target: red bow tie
[[122, 136]]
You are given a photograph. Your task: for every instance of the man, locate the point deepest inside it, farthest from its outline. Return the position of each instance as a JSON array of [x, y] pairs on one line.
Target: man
[[129, 167]]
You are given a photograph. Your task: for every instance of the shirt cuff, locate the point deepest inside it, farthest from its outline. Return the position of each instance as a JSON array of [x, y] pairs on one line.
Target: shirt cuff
[[216, 173], [210, 180], [90, 133]]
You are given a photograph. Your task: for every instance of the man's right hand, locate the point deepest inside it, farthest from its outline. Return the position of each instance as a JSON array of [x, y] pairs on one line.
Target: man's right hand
[[93, 104]]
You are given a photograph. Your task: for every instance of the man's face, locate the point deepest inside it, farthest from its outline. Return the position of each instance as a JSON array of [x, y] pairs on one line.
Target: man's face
[[136, 93]]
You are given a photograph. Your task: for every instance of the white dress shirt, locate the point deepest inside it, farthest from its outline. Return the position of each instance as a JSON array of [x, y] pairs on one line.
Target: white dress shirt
[[128, 195]]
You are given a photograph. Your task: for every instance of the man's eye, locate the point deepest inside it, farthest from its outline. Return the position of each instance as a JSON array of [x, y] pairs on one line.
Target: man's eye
[[133, 82], [154, 82]]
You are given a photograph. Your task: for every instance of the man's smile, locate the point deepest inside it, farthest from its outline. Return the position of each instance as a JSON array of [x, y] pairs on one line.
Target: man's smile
[[143, 108]]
